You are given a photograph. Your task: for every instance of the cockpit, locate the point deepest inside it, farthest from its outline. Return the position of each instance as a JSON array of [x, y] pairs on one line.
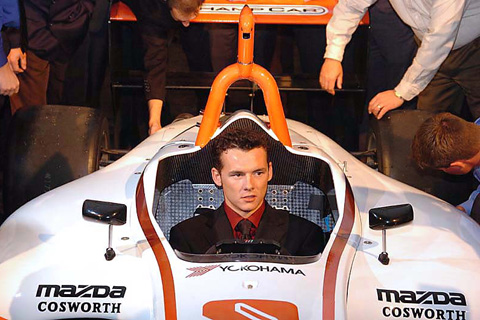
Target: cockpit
[[301, 185]]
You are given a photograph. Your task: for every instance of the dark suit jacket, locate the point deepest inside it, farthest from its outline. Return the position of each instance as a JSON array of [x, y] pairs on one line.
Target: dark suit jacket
[[298, 236], [55, 27], [154, 21]]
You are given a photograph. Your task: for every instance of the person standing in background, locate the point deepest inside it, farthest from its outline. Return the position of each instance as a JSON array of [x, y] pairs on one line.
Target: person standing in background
[[156, 18], [447, 63], [55, 29], [9, 17]]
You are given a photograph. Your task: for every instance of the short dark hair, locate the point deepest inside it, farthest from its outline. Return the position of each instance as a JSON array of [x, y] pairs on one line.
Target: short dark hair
[[186, 6], [443, 139], [237, 138]]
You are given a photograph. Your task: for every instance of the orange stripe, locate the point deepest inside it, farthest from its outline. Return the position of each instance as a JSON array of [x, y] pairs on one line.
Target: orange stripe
[[333, 259], [159, 252]]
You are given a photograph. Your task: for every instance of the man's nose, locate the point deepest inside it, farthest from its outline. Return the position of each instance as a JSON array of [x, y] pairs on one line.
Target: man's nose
[[248, 182], [186, 23]]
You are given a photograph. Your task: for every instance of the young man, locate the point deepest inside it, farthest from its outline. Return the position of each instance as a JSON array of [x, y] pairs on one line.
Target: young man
[[449, 143], [242, 170], [448, 59]]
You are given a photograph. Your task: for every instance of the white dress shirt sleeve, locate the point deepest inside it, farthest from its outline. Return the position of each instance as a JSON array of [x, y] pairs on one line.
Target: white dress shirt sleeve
[[437, 42], [345, 19], [435, 22]]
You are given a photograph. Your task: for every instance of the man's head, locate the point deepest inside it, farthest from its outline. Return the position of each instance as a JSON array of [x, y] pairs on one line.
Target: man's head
[[448, 143], [242, 169], [184, 10]]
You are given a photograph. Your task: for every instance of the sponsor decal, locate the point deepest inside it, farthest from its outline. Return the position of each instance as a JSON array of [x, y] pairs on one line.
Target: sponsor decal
[[449, 302], [199, 271], [76, 306], [250, 309], [255, 268], [273, 9], [82, 292]]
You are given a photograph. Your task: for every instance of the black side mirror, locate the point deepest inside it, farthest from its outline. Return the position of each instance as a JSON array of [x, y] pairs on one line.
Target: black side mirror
[[384, 218], [105, 212]]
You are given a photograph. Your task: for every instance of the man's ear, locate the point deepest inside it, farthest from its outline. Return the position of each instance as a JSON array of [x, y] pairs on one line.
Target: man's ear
[[270, 171], [458, 167], [458, 164], [216, 177]]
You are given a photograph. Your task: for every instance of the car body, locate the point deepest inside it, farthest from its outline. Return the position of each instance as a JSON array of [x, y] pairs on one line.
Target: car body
[[54, 263], [52, 259]]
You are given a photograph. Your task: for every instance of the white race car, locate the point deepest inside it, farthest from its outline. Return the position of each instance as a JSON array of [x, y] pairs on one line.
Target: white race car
[[55, 263]]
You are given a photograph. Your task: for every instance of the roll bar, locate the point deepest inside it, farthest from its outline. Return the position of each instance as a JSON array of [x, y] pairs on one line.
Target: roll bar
[[244, 69]]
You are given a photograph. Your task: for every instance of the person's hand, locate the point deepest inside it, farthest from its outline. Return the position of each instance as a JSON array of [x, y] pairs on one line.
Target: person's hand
[[154, 128], [384, 102], [331, 75], [17, 60], [461, 208], [155, 114], [8, 81]]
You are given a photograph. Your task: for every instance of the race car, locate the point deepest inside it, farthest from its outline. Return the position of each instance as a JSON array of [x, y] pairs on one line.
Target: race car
[[98, 247]]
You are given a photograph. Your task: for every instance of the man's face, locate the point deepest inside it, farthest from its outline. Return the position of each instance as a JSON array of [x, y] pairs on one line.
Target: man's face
[[244, 178], [182, 17]]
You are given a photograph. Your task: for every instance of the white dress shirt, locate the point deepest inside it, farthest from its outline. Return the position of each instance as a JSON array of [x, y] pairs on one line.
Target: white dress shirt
[[441, 25]]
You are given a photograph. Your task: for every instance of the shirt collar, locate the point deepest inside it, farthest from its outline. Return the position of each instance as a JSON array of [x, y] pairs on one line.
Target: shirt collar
[[234, 218]]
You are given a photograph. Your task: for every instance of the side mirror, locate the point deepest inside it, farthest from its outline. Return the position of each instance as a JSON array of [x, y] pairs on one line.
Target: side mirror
[[113, 214], [106, 212], [384, 218]]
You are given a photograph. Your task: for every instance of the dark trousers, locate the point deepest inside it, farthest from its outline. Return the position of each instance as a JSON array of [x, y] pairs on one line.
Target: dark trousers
[[391, 50], [332, 115], [195, 43], [458, 78], [41, 83]]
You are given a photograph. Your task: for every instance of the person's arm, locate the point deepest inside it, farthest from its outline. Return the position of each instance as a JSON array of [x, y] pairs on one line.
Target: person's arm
[[178, 241], [345, 19], [155, 62], [8, 81], [384, 102], [437, 42], [331, 74], [467, 205], [16, 57], [314, 241], [154, 115], [9, 17], [17, 60]]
